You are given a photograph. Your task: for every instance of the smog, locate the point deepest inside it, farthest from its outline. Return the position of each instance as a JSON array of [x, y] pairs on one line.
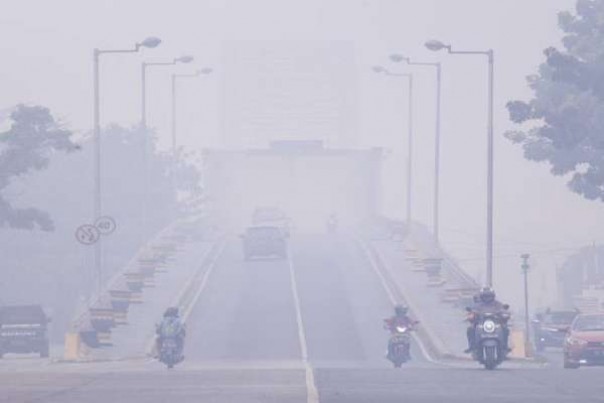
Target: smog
[[301, 201]]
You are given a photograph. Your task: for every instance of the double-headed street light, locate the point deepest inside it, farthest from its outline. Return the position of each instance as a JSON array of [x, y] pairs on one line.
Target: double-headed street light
[[397, 58], [383, 70], [436, 46], [150, 42], [145, 146], [144, 67], [175, 78]]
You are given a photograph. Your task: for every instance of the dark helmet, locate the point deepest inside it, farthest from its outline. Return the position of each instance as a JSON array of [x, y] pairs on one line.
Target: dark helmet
[[171, 312], [400, 310], [487, 295]]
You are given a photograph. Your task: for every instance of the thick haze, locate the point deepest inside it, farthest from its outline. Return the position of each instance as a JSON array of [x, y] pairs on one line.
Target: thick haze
[[47, 59]]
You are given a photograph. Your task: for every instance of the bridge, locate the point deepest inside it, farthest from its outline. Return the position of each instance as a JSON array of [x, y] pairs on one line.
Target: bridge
[[304, 329]]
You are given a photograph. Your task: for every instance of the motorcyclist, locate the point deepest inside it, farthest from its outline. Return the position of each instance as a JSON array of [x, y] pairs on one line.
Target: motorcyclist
[[486, 302], [400, 319], [171, 327]]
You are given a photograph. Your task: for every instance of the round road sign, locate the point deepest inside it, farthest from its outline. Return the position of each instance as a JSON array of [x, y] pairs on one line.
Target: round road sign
[[106, 225], [87, 234]]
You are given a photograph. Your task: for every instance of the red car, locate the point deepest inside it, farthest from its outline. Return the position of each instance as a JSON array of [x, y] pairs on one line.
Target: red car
[[584, 344]]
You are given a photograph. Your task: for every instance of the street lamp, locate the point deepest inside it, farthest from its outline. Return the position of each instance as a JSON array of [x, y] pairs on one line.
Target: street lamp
[[525, 270], [397, 58], [383, 70], [150, 42], [435, 45], [144, 66], [175, 77]]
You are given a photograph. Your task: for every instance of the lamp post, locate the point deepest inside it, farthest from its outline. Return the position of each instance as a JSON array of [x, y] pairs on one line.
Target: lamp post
[[436, 46], [144, 67], [150, 42], [145, 145], [175, 78], [397, 58], [525, 270], [383, 70]]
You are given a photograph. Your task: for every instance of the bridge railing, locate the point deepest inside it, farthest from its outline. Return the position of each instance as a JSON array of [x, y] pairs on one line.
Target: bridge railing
[[92, 324], [428, 255]]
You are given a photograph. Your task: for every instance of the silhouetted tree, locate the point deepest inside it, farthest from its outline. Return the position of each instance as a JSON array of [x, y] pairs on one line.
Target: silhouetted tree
[[567, 111], [34, 135]]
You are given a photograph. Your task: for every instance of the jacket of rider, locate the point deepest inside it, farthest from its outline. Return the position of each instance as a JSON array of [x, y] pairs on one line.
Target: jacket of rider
[[482, 307], [171, 327]]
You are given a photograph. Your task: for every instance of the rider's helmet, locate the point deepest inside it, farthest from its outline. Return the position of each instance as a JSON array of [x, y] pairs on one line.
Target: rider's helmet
[[487, 295], [171, 312], [400, 310]]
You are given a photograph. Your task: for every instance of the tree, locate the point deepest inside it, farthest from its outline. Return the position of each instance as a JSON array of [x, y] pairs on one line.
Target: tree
[[567, 112], [26, 147]]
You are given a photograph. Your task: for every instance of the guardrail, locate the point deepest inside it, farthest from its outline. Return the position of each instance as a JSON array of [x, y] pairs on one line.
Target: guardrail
[[438, 264], [92, 325], [459, 287]]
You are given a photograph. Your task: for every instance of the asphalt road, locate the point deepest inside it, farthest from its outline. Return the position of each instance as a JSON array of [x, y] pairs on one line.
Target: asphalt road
[[251, 340]]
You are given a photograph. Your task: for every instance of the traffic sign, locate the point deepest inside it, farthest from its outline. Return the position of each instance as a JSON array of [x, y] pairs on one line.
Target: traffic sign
[[87, 234], [106, 225]]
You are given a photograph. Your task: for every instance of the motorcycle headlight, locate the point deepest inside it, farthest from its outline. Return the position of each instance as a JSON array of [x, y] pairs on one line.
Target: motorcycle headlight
[[489, 326], [401, 329]]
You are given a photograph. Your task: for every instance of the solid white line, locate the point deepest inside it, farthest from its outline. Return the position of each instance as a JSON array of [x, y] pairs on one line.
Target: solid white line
[[193, 302], [312, 394], [391, 297], [204, 282]]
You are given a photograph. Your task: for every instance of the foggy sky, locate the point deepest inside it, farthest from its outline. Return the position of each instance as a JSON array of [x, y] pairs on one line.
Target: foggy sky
[[47, 59]]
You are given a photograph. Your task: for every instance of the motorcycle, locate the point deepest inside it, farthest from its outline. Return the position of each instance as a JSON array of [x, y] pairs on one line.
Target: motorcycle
[[400, 346], [169, 353], [490, 349]]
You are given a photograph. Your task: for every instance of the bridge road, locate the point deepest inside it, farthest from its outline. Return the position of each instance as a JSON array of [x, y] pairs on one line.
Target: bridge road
[[244, 346]]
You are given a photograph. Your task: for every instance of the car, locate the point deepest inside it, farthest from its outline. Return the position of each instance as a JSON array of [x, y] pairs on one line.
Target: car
[[264, 241], [23, 330], [271, 216], [549, 328], [584, 344]]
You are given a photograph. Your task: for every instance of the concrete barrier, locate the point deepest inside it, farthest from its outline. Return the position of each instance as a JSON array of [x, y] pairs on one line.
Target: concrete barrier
[[71, 351], [104, 338], [88, 337], [102, 319], [517, 344]]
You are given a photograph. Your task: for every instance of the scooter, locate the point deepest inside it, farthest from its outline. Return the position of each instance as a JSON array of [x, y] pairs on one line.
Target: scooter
[[400, 346], [490, 349], [169, 353]]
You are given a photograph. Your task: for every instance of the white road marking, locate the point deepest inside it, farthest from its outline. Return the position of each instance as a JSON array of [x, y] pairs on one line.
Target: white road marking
[[312, 394], [204, 282], [151, 344], [387, 288]]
